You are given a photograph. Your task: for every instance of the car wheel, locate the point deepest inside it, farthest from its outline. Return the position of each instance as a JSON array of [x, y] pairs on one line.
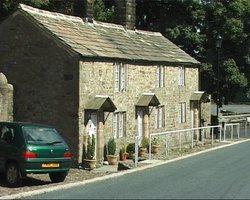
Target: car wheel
[[12, 175], [57, 177]]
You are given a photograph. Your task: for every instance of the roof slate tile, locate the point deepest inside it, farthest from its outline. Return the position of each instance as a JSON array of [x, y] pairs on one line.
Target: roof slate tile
[[104, 40]]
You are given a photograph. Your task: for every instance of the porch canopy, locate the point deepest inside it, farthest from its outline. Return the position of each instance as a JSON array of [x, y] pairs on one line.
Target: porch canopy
[[101, 102], [148, 99], [199, 96]]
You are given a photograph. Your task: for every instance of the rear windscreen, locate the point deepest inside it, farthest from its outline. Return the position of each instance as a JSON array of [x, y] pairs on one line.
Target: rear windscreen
[[41, 135]]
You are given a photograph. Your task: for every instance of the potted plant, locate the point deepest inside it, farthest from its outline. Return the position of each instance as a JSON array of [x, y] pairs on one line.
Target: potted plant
[[143, 146], [154, 145], [90, 161], [123, 152], [111, 156], [131, 150]]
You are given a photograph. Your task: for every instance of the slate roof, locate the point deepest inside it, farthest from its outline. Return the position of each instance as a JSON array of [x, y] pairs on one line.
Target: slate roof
[[108, 41]]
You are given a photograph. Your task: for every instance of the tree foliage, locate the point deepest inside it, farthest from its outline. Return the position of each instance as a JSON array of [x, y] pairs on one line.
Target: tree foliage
[[190, 24]]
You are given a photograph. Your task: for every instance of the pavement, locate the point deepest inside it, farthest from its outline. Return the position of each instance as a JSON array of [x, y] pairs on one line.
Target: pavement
[[114, 168]]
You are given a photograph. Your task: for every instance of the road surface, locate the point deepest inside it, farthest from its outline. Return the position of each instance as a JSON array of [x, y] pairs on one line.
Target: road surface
[[219, 174]]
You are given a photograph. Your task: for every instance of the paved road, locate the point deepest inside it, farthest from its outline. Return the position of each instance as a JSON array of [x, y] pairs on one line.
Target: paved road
[[219, 174]]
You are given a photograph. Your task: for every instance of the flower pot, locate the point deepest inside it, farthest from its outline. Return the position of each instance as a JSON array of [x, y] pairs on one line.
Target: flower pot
[[90, 163], [123, 156], [130, 154], [142, 151], [155, 148], [112, 159]]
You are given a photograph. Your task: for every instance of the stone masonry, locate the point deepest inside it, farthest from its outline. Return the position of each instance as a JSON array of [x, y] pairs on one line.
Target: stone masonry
[[6, 99]]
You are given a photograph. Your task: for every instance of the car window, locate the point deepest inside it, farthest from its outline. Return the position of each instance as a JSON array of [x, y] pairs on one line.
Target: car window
[[41, 135], [7, 134]]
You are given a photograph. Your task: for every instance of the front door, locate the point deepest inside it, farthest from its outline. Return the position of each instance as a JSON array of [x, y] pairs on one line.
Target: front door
[[91, 126], [139, 123]]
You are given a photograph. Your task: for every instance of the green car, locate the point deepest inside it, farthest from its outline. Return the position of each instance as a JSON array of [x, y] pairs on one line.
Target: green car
[[27, 148]]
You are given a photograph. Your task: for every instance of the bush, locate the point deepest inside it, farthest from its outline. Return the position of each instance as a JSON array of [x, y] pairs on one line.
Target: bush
[[111, 146], [131, 147], [91, 147], [144, 142]]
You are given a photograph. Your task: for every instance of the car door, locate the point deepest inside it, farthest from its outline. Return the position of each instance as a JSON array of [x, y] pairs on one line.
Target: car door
[[8, 148], [2, 153]]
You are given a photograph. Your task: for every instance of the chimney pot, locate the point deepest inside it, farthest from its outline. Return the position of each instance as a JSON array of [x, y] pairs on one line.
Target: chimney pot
[[125, 13]]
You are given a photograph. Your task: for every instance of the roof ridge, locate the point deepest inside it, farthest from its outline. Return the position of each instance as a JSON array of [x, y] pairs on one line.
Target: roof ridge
[[48, 13], [78, 19]]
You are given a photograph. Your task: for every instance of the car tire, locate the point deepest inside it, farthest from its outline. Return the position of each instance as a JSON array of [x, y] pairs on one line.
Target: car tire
[[12, 175], [57, 177]]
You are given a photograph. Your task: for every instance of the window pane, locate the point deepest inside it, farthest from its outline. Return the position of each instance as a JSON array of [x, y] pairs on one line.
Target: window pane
[[121, 121], [158, 77], [123, 77], [116, 77], [115, 125], [181, 79]]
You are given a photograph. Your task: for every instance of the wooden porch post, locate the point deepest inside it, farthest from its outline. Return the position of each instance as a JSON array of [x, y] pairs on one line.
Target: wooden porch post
[[100, 137]]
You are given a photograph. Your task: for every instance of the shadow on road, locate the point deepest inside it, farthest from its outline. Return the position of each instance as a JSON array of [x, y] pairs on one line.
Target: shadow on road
[[28, 181]]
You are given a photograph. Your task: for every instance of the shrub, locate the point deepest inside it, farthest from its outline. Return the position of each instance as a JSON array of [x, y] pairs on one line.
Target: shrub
[[144, 142], [131, 147], [111, 146], [91, 147]]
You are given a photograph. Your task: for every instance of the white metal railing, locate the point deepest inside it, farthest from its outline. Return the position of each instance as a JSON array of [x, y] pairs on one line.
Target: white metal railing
[[231, 125], [190, 131], [137, 141]]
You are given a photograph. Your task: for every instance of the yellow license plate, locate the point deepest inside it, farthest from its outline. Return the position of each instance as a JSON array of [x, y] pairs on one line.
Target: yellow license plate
[[50, 165]]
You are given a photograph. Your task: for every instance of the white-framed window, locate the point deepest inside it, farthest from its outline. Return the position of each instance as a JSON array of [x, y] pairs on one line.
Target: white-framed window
[[118, 124], [160, 117], [182, 112], [181, 76], [120, 71], [160, 76]]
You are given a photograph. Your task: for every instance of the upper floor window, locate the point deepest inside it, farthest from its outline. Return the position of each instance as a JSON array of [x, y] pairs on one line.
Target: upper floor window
[[118, 124], [182, 112], [120, 71], [160, 76], [159, 117], [181, 76]]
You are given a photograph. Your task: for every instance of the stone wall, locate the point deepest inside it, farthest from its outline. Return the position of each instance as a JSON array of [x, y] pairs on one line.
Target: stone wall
[[6, 99], [44, 74], [97, 79]]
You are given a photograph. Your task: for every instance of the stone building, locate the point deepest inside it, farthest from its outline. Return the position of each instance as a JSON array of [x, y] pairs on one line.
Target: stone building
[[6, 99], [87, 77]]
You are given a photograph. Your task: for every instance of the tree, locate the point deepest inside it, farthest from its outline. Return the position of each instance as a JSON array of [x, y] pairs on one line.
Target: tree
[[103, 13], [190, 24]]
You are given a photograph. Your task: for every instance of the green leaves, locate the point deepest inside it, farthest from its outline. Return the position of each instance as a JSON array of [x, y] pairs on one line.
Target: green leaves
[[232, 74]]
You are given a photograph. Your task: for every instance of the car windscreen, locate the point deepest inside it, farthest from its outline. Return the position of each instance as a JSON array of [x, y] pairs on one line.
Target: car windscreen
[[42, 135]]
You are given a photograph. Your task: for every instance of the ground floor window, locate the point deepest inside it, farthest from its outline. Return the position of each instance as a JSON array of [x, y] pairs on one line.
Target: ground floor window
[[119, 119], [159, 116], [182, 112]]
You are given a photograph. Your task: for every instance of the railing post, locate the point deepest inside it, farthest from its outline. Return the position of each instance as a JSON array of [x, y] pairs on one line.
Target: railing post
[[179, 140], [245, 128], [232, 131], [149, 153], [238, 130], [136, 150], [166, 144], [202, 137], [212, 135], [225, 130], [192, 138], [220, 132]]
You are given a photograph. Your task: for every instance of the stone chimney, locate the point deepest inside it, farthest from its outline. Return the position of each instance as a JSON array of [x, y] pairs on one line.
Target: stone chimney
[[83, 9], [125, 13]]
